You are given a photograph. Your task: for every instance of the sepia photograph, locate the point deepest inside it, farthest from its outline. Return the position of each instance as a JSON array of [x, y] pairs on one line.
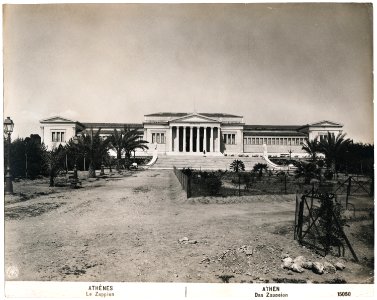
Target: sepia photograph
[[218, 144]]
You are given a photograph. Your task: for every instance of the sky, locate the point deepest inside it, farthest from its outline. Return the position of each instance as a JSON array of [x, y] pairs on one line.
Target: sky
[[279, 64]]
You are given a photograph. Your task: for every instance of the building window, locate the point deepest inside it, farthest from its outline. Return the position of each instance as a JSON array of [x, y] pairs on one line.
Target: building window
[[57, 136], [229, 139], [285, 141], [273, 141], [158, 138]]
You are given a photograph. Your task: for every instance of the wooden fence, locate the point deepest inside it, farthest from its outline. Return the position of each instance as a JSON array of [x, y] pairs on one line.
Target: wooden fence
[[184, 180]]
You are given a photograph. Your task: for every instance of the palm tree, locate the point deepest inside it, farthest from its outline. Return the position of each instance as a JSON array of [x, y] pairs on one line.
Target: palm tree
[[116, 142], [259, 168], [95, 146], [53, 161], [132, 141], [237, 166], [311, 147], [308, 171], [332, 147]]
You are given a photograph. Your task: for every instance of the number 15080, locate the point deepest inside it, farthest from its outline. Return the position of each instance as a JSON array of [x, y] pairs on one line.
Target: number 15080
[[344, 294]]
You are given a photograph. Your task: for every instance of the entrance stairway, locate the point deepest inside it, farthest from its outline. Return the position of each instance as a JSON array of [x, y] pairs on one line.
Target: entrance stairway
[[203, 163]]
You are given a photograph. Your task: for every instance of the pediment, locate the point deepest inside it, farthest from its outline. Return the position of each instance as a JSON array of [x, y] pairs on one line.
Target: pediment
[[57, 119], [194, 118], [326, 124]]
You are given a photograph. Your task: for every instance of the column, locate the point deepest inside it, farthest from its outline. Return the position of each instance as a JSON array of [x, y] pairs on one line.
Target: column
[[205, 139], [197, 139], [191, 140], [171, 139], [177, 138], [211, 141], [184, 139], [218, 139]]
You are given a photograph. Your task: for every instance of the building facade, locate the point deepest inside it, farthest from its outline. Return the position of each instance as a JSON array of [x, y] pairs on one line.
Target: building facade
[[196, 133]]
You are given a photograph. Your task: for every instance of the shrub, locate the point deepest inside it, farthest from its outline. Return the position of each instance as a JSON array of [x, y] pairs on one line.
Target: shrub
[[258, 168], [328, 174], [187, 171], [326, 227], [212, 185], [308, 171], [237, 166]]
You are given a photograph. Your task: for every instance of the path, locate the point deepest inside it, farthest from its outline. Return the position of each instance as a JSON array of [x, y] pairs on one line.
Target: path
[[127, 229]]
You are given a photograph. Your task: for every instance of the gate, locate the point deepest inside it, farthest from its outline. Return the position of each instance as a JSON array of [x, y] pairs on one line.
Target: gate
[[317, 223]]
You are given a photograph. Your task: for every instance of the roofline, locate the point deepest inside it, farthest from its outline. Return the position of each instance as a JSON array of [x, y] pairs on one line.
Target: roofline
[[68, 120], [194, 114], [183, 114]]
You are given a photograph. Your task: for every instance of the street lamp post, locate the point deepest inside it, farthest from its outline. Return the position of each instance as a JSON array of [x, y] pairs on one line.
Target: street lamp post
[[8, 129], [102, 168], [75, 141]]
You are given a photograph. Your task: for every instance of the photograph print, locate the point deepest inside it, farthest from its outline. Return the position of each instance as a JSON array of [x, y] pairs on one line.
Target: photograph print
[[195, 143]]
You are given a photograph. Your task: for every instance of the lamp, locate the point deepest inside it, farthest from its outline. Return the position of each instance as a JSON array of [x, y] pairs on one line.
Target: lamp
[[8, 126], [8, 129], [75, 142]]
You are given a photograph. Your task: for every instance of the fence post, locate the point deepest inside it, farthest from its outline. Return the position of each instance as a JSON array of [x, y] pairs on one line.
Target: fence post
[[300, 218], [348, 190], [328, 213], [371, 193], [296, 215], [188, 186]]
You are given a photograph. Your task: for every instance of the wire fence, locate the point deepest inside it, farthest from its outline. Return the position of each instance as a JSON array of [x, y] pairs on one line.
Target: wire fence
[[225, 184], [184, 180]]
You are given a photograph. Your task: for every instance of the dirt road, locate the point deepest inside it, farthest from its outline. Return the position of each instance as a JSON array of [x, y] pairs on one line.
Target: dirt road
[[128, 229]]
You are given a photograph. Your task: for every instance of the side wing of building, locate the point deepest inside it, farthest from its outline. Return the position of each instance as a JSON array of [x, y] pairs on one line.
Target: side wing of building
[[195, 133]]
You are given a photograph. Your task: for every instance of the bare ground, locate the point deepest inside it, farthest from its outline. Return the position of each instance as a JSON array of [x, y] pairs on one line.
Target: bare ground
[[128, 229]]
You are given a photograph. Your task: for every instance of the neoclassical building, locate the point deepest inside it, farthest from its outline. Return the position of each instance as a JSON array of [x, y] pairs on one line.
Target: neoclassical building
[[193, 133]]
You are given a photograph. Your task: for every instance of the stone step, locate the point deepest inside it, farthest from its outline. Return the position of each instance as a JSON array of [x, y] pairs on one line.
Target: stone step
[[204, 163]]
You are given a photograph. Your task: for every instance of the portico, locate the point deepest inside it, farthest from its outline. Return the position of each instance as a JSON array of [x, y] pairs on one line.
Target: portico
[[194, 138]]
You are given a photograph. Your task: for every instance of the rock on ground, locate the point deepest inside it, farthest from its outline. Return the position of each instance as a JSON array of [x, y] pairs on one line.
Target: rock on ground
[[318, 268], [287, 262], [329, 268], [339, 266], [297, 268]]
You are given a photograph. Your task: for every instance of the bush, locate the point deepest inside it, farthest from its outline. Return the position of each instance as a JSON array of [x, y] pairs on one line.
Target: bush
[[24, 152], [258, 168], [328, 174], [212, 185], [187, 171], [326, 227]]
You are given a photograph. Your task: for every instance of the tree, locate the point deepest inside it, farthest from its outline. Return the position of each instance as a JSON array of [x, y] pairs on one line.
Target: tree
[[258, 168], [357, 158], [26, 157], [308, 171], [132, 141], [116, 142], [93, 145], [333, 147], [237, 166], [54, 162], [311, 147], [33, 157]]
